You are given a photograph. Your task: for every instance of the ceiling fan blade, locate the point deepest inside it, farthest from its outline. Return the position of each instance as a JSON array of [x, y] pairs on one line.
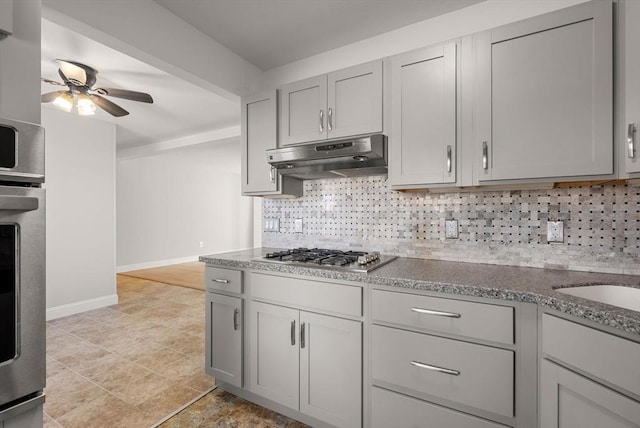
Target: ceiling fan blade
[[111, 108], [127, 95], [53, 82], [50, 96], [71, 71]]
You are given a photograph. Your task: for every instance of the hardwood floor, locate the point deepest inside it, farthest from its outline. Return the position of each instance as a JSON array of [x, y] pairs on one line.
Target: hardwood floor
[[184, 274]]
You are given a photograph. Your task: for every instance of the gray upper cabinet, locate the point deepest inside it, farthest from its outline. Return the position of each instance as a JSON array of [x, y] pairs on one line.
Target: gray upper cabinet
[[631, 153], [259, 132], [339, 104], [6, 17], [424, 110], [543, 88]]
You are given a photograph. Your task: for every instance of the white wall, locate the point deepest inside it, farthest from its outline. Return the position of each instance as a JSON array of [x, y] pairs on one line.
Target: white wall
[[80, 184], [170, 202], [20, 64]]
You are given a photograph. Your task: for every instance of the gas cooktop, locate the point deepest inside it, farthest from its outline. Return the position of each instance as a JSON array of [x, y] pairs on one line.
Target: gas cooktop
[[350, 261]]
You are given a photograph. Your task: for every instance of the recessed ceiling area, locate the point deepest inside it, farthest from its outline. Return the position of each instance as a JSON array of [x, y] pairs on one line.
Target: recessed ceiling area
[[179, 109], [271, 33]]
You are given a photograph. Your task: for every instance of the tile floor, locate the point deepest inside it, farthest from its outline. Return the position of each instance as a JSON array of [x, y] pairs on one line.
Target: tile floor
[[128, 365]]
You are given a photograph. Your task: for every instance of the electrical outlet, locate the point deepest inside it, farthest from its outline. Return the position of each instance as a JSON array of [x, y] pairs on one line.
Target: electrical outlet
[[272, 225], [297, 225], [201, 244], [451, 229], [555, 231]]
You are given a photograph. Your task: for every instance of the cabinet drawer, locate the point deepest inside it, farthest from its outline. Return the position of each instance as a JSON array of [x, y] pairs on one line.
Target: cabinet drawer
[[483, 375], [389, 409], [476, 320], [608, 357], [223, 279], [307, 294]]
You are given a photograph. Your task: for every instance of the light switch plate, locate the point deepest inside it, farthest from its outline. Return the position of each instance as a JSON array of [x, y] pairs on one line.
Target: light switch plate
[[451, 229], [272, 225], [555, 231], [297, 225]]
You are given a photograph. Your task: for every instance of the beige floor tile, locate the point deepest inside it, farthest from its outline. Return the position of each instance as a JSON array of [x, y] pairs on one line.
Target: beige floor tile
[[163, 403], [49, 422], [160, 360], [107, 411], [54, 367], [137, 392], [200, 382], [67, 391], [115, 373]]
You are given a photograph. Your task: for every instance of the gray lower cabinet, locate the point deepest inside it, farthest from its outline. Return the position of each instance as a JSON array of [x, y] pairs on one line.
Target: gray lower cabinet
[[589, 378], [568, 400], [543, 97], [308, 362], [223, 341], [390, 409]]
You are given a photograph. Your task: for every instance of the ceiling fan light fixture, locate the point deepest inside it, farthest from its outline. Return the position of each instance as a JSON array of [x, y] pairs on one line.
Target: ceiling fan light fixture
[[85, 105], [64, 102]]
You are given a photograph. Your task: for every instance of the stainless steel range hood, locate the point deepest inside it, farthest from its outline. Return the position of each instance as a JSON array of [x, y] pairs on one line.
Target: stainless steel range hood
[[351, 157]]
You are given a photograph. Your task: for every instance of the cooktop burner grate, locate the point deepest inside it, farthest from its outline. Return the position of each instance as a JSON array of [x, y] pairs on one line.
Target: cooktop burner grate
[[355, 261]]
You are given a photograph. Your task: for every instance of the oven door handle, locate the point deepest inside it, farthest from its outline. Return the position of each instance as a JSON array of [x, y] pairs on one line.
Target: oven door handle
[[18, 203]]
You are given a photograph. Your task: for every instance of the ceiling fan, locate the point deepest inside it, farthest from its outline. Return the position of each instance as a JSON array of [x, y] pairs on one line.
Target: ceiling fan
[[79, 79]]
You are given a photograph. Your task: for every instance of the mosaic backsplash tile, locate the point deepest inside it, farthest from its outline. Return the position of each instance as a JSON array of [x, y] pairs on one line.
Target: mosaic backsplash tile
[[601, 223]]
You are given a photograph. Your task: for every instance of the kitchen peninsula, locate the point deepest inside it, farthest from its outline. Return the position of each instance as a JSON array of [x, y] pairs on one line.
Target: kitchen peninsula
[[459, 329]]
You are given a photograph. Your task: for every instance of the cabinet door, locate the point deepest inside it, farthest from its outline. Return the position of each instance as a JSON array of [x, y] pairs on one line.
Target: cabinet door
[[354, 100], [331, 369], [303, 113], [545, 96], [259, 133], [275, 359], [568, 400], [224, 341], [632, 85], [423, 104]]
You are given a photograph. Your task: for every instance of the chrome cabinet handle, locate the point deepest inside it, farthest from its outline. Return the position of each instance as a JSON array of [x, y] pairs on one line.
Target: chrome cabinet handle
[[321, 124], [302, 335], [293, 333], [272, 174], [222, 281], [631, 136], [437, 313], [448, 158], [435, 368], [236, 324], [485, 155], [330, 120]]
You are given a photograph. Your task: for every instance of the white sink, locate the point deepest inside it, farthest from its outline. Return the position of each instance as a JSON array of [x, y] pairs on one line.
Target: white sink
[[616, 295]]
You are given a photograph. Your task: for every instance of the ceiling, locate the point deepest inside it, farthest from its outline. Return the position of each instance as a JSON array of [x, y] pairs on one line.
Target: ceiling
[[267, 33], [271, 33]]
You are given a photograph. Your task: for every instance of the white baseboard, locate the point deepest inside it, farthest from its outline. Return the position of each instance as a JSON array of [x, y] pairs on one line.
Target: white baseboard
[[82, 306], [157, 263]]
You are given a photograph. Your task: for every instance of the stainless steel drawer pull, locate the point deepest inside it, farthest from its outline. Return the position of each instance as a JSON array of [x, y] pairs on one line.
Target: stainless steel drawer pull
[[293, 333], [485, 155], [438, 313], [631, 143], [236, 324], [272, 174], [448, 158], [321, 124], [435, 368], [302, 335], [221, 281], [330, 120]]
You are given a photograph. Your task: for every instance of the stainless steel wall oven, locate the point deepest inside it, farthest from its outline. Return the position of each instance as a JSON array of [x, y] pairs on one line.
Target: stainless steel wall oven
[[22, 267]]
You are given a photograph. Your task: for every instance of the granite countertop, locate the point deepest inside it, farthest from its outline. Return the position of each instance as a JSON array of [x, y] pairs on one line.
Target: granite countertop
[[522, 284]]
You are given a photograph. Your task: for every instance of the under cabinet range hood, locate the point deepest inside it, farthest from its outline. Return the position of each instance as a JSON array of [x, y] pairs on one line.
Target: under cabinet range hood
[[354, 157]]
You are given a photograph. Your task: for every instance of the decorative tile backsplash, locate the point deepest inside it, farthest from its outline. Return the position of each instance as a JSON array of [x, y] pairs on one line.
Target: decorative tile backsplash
[[601, 223]]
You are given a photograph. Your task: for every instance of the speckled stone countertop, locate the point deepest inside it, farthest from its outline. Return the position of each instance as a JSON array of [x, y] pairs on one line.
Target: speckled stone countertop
[[520, 284]]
